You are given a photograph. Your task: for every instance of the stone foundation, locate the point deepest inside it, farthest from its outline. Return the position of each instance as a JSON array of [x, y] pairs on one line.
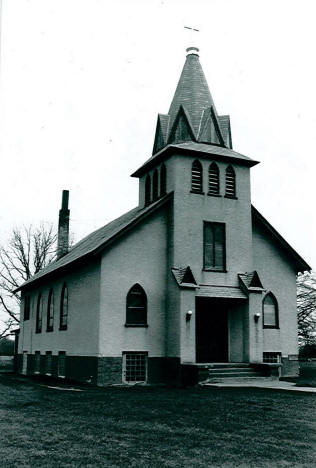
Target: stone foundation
[[103, 371]]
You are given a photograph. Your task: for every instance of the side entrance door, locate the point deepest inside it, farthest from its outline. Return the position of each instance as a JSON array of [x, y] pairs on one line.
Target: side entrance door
[[211, 330]]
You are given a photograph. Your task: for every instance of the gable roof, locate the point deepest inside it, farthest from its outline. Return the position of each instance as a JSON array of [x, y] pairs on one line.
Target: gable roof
[[298, 262], [95, 242], [250, 282], [184, 277]]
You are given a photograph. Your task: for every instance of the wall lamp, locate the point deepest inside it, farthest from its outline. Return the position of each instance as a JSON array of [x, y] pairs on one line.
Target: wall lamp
[[257, 316], [188, 315]]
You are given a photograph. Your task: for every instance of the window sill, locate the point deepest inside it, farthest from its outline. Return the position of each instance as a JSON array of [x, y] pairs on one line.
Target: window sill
[[63, 328], [136, 325], [231, 197], [215, 270], [271, 327], [197, 193], [210, 194]]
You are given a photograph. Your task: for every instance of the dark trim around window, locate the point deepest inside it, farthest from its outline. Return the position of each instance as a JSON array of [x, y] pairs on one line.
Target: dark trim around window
[[136, 307], [222, 267], [63, 317], [269, 294], [50, 313]]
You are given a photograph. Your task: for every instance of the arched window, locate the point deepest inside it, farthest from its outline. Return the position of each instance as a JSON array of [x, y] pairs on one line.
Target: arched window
[[136, 306], [155, 185], [50, 311], [163, 180], [230, 183], [213, 179], [197, 177], [39, 313], [147, 190], [270, 311], [63, 322]]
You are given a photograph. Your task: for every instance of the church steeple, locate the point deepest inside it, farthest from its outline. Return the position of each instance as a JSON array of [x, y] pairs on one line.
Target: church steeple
[[192, 115]]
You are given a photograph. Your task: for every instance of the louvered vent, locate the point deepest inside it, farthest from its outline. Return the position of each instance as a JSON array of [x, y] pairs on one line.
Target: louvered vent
[[213, 179], [197, 175], [230, 183], [147, 190], [155, 185]]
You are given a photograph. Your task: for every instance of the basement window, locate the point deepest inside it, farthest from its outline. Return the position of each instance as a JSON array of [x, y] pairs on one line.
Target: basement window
[[135, 367], [62, 364], [37, 362], [271, 358], [48, 363]]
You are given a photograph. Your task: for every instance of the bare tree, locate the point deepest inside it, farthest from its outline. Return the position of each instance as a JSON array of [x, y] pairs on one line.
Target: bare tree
[[306, 305], [28, 251]]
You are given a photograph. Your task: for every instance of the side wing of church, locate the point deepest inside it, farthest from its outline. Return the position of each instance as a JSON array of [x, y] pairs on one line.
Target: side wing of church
[[191, 281]]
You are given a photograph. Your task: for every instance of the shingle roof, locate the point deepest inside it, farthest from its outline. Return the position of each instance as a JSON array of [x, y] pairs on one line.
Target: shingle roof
[[250, 280], [98, 239], [193, 97], [192, 92], [184, 277], [203, 150], [225, 292]]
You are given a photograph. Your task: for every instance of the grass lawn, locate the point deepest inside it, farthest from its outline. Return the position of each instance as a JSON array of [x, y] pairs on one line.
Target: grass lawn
[[154, 427]]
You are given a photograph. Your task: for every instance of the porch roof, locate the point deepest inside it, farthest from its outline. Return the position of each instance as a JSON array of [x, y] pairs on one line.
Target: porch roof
[[227, 292]]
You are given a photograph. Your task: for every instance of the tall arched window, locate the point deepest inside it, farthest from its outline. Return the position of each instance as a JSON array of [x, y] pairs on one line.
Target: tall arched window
[[63, 322], [213, 179], [136, 306], [50, 311], [230, 183], [197, 177], [270, 311], [147, 190], [39, 313], [163, 180], [155, 185]]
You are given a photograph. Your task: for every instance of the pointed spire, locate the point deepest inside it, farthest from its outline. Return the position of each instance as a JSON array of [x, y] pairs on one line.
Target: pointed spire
[[192, 115]]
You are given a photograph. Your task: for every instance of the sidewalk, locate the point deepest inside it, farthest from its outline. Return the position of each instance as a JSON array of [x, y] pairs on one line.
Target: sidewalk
[[273, 384]]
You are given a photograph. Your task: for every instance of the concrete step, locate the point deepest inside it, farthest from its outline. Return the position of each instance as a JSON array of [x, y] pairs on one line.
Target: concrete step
[[228, 370], [221, 365], [232, 380], [223, 375]]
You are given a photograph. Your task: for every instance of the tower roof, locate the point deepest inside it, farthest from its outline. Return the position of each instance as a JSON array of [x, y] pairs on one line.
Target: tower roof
[[192, 115], [192, 91]]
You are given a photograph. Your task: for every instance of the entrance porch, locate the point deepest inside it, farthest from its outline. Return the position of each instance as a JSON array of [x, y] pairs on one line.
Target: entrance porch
[[221, 332]]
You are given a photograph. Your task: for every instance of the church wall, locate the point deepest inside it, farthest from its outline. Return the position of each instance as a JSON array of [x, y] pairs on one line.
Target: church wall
[[81, 335], [139, 257], [192, 209], [278, 276], [236, 332]]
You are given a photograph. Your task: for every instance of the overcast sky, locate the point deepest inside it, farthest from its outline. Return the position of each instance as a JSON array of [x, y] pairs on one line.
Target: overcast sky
[[82, 82]]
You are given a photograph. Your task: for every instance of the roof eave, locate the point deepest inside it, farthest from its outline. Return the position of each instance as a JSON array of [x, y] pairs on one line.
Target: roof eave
[[171, 149], [298, 261]]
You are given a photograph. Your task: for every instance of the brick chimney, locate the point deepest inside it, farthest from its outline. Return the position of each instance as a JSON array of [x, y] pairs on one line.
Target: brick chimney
[[63, 226]]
